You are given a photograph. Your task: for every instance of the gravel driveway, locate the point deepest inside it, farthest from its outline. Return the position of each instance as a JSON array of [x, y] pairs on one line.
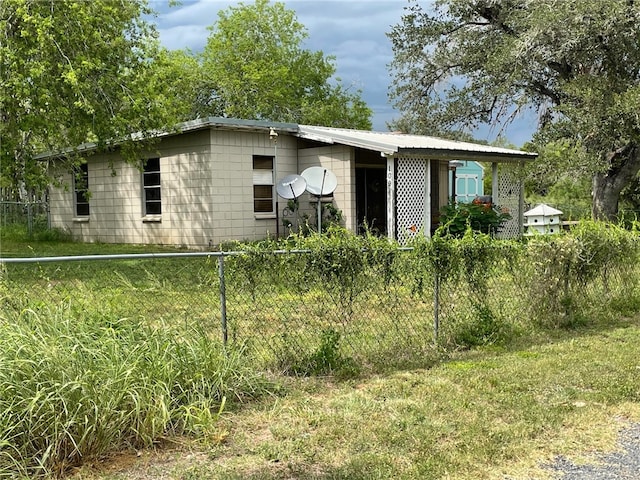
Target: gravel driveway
[[623, 464]]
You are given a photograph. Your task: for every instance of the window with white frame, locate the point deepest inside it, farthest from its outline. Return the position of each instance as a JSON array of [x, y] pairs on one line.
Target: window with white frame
[[81, 190], [152, 200], [263, 184]]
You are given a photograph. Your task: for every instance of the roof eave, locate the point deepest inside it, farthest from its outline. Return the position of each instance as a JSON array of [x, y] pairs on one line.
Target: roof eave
[[383, 148], [185, 127], [479, 156]]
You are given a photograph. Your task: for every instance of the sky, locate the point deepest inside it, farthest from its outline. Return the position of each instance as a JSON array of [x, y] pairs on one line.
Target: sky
[[352, 31]]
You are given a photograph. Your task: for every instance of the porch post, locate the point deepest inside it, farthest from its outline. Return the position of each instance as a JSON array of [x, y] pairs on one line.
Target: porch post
[[495, 187], [427, 199], [391, 198], [521, 202]]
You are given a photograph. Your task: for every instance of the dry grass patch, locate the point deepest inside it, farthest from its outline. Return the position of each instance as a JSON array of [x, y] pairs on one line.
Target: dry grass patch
[[482, 415]]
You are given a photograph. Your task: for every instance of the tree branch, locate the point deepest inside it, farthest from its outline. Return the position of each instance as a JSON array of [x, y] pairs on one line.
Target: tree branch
[[463, 25], [492, 15]]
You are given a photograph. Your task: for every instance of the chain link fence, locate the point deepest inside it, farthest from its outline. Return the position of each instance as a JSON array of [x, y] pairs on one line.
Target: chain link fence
[[342, 307], [34, 215]]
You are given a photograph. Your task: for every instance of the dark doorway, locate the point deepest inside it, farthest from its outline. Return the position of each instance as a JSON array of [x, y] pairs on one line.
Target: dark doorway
[[371, 200]]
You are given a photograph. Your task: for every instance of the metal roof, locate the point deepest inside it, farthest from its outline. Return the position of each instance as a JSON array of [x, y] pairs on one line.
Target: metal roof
[[222, 123], [398, 144], [387, 143], [234, 124]]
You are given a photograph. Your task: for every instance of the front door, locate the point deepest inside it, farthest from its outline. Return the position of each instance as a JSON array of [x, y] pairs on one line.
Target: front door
[[371, 199]]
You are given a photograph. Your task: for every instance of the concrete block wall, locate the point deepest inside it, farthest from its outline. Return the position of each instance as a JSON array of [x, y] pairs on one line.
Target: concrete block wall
[[340, 160], [206, 188]]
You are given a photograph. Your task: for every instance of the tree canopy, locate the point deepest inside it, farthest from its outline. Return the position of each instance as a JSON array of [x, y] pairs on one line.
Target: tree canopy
[[76, 72], [255, 67], [460, 63]]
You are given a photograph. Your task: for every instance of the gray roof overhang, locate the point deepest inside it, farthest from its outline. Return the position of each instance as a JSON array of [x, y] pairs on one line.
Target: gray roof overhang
[[388, 144], [396, 145]]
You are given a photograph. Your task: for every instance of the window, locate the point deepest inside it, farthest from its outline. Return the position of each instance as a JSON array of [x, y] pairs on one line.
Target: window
[[263, 184], [81, 190], [151, 186]]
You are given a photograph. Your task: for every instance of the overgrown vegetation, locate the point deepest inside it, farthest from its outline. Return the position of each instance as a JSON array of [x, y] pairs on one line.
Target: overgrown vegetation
[[458, 217], [143, 336], [492, 413], [76, 386]]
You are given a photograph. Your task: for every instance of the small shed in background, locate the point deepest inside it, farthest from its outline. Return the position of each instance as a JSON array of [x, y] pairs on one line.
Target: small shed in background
[[466, 180]]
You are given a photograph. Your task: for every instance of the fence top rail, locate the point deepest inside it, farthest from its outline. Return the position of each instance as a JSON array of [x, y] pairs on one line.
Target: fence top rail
[[120, 256], [140, 256], [127, 256]]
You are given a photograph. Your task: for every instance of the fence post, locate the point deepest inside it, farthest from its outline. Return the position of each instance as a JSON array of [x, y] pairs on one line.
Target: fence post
[[29, 219], [436, 307], [223, 299]]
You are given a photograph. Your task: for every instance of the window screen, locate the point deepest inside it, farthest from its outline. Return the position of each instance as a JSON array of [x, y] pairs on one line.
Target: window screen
[[151, 186], [263, 184]]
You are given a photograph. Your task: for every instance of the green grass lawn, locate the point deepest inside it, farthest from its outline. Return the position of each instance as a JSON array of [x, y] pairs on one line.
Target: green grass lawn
[[484, 414], [493, 412], [14, 242]]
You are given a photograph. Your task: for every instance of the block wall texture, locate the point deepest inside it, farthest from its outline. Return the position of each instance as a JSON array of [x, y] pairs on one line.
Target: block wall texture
[[206, 188], [340, 160]]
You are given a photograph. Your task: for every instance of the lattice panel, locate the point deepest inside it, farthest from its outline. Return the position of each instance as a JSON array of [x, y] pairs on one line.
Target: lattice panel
[[509, 193], [411, 201]]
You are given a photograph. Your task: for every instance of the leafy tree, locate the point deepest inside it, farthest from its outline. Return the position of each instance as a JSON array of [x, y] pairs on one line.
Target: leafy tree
[[256, 68], [416, 124], [560, 178], [577, 63], [77, 71], [177, 76]]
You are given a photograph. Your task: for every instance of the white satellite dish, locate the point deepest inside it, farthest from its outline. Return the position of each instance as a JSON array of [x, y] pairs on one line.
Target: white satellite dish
[[291, 187], [320, 181]]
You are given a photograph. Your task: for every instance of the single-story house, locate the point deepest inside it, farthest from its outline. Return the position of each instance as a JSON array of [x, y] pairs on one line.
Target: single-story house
[[215, 179]]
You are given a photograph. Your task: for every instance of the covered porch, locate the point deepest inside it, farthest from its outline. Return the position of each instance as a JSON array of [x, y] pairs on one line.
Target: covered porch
[[418, 188], [402, 181]]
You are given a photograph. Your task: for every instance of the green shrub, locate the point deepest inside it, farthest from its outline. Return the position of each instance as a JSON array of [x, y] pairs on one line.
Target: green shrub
[[483, 328], [480, 260], [562, 271], [457, 217], [338, 262], [327, 358], [436, 257], [257, 266], [52, 235], [17, 232]]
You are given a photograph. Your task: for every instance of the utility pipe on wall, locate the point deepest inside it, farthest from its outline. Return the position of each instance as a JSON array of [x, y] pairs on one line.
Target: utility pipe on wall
[[273, 136]]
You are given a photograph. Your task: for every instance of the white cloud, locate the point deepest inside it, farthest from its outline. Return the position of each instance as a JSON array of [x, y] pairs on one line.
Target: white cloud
[[192, 37]]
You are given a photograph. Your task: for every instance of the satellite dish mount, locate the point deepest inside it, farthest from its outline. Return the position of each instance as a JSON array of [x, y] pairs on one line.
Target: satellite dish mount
[[320, 182], [290, 188]]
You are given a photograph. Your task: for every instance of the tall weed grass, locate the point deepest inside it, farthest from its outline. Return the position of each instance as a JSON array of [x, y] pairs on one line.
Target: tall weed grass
[[587, 273], [75, 387]]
